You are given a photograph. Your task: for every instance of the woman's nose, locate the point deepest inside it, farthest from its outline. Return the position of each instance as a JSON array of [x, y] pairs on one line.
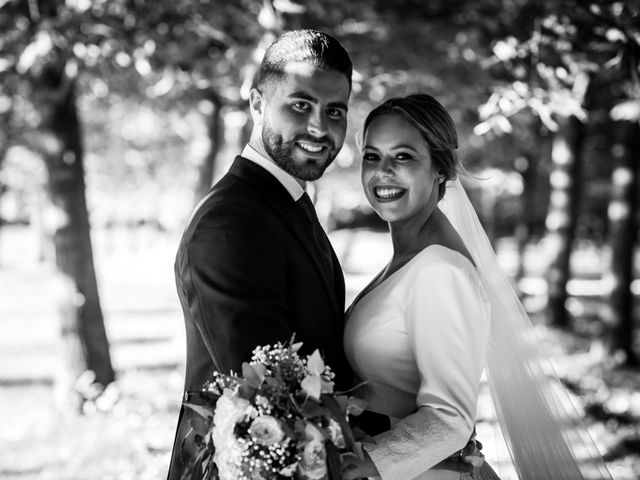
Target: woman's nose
[[385, 165]]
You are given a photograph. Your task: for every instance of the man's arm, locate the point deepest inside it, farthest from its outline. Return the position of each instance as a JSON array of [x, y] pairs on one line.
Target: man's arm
[[234, 281]]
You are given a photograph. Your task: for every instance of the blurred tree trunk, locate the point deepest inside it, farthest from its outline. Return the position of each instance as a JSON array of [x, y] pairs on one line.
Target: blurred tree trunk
[[525, 165], [85, 344], [618, 318], [566, 170], [216, 137], [4, 147], [5, 138]]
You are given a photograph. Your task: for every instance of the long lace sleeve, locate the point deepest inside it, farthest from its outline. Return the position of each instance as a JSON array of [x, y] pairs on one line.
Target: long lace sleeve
[[447, 325]]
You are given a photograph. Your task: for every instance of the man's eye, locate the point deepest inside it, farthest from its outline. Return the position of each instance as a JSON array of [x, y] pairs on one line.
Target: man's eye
[[335, 113], [301, 106], [370, 157]]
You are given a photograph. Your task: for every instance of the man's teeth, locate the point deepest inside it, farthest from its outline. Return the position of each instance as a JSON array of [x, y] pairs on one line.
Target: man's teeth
[[310, 148], [388, 192]]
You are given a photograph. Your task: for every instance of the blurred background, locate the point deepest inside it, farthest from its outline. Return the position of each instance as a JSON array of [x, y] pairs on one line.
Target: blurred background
[[117, 115]]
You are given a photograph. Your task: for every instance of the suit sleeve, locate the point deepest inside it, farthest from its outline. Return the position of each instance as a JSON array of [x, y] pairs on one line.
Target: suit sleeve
[[234, 280], [448, 333]]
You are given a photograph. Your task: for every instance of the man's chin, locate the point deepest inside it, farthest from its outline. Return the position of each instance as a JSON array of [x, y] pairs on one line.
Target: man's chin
[[306, 169]]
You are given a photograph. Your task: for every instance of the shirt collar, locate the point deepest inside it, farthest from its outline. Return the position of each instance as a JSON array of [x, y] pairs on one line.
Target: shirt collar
[[287, 180]]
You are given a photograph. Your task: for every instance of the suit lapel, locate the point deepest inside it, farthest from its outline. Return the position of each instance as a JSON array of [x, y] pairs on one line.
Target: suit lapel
[[281, 202]]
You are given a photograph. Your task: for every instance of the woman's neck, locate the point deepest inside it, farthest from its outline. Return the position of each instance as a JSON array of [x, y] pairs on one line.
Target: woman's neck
[[412, 235]]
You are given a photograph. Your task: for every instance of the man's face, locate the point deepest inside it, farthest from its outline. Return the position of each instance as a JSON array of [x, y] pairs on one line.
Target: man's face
[[303, 119]]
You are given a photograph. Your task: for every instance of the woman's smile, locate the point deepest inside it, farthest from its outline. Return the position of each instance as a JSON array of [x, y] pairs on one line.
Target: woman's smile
[[388, 193]]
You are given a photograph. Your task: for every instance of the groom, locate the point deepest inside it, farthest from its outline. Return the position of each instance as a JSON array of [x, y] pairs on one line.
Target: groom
[[254, 266]]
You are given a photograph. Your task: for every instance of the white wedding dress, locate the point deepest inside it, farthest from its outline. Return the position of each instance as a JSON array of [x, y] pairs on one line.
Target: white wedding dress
[[420, 340]]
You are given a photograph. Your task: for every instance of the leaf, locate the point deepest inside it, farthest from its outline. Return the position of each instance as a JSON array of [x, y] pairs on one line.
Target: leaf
[[337, 413], [356, 406], [253, 374], [312, 409], [334, 464], [315, 365], [203, 411], [311, 386]]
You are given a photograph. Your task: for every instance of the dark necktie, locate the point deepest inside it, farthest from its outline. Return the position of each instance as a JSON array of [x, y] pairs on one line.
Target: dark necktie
[[318, 233]]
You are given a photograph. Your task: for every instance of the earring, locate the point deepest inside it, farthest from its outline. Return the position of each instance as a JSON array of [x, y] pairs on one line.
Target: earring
[[441, 179]]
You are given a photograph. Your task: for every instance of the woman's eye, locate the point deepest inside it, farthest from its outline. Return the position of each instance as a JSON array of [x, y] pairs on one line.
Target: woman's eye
[[370, 157], [403, 156]]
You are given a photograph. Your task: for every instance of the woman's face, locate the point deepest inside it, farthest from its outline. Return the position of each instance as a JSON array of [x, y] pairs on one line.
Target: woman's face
[[398, 174]]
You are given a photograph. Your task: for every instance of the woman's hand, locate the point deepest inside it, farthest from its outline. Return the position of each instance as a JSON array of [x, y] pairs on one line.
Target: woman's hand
[[354, 468]]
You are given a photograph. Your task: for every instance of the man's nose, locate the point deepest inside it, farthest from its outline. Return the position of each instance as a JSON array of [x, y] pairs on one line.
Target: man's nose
[[317, 124]]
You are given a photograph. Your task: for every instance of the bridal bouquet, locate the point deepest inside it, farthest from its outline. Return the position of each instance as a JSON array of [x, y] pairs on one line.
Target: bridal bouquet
[[279, 419]]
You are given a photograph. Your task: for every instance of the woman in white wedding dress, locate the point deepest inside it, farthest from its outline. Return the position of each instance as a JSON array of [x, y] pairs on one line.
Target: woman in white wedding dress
[[423, 331]]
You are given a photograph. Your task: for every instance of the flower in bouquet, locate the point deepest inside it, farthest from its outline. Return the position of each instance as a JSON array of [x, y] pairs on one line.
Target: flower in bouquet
[[230, 410], [266, 430], [280, 418], [313, 464]]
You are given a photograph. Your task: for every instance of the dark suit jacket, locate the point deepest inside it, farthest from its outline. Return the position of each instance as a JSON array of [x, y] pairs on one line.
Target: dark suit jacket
[[249, 273]]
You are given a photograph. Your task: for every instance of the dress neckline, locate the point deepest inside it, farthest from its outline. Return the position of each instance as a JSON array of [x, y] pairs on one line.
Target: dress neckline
[[366, 290]]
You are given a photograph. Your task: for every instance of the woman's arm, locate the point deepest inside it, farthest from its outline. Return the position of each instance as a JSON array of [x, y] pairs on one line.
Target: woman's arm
[[447, 324]]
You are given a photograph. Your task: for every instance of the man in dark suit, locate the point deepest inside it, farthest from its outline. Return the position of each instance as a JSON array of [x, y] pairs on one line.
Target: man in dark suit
[[253, 266]]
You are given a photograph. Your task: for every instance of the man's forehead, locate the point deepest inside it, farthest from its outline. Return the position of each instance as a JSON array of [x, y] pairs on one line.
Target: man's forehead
[[314, 80], [301, 69]]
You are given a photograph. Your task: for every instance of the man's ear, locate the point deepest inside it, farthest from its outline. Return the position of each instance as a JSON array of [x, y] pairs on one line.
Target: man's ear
[[256, 105]]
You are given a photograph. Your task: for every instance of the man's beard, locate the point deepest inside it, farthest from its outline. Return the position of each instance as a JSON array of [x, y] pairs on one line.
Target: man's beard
[[281, 153]]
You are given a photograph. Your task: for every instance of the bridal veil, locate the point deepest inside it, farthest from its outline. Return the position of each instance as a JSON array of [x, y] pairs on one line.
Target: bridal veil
[[545, 436]]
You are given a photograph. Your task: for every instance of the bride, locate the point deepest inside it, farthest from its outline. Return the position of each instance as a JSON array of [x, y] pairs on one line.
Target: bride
[[426, 327]]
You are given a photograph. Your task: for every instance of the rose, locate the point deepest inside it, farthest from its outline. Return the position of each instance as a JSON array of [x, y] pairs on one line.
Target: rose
[[230, 409], [313, 464], [266, 430]]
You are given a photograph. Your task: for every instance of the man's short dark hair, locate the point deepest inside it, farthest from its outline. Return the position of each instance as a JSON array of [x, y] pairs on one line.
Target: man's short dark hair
[[317, 48]]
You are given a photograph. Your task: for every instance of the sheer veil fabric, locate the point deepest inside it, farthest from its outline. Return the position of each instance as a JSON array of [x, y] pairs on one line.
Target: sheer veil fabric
[[544, 434]]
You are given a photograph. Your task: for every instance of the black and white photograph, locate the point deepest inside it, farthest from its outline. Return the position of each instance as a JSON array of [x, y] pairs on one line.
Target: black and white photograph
[[319, 240]]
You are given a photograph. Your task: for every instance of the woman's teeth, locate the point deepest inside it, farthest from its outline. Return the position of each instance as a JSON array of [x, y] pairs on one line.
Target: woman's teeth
[[388, 193]]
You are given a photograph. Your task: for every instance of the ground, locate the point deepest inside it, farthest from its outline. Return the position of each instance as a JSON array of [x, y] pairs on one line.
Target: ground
[[129, 435]]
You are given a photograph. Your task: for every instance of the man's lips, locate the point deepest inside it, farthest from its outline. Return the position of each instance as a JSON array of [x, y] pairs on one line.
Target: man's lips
[[314, 147], [311, 147], [388, 193]]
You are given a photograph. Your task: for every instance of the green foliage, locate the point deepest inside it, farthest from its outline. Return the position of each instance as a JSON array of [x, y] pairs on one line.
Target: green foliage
[[548, 58]]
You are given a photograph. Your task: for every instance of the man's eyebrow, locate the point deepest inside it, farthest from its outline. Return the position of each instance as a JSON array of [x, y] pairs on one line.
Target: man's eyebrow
[[340, 105], [304, 96]]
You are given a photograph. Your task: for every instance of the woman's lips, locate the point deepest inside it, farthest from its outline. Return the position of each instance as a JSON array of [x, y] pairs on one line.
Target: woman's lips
[[388, 193]]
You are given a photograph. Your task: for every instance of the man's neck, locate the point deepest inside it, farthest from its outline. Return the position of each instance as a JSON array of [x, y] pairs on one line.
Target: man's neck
[[259, 147]]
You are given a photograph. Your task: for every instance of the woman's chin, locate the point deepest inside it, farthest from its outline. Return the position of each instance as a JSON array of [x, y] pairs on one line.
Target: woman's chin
[[390, 216]]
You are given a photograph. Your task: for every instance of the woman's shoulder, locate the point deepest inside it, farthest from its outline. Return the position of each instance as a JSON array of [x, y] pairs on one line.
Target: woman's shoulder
[[443, 266], [442, 256]]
